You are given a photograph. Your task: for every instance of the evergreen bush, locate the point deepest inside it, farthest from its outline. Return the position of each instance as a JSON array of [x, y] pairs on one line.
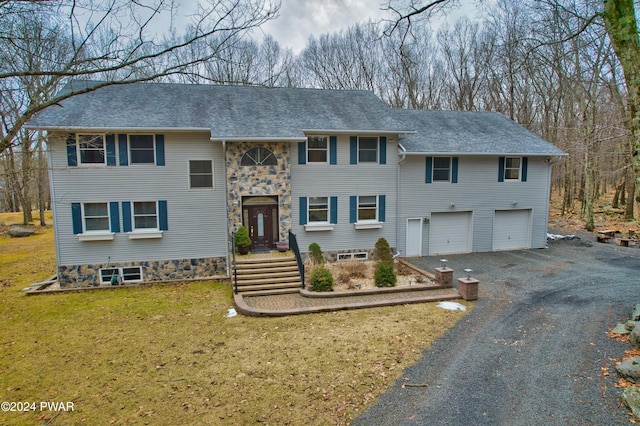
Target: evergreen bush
[[316, 253], [382, 252], [242, 237], [321, 279], [385, 276]]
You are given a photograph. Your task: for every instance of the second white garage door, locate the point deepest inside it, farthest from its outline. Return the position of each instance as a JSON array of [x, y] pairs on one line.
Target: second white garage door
[[512, 229], [450, 233]]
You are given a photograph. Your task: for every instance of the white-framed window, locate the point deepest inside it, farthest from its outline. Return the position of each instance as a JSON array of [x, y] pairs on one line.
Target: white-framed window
[[201, 174], [117, 276], [367, 208], [368, 149], [91, 148], [367, 211], [318, 210], [258, 156], [441, 169], [95, 217], [352, 256], [512, 167], [142, 149], [145, 215], [317, 149]]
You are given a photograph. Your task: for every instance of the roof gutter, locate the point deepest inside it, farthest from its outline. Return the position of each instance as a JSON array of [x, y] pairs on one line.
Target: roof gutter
[[118, 129], [361, 132], [260, 139], [515, 154]]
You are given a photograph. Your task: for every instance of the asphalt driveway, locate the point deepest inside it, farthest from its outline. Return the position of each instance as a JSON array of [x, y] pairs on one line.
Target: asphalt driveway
[[533, 349]]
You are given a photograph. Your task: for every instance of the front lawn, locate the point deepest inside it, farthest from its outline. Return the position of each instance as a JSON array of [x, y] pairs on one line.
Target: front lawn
[[168, 355]]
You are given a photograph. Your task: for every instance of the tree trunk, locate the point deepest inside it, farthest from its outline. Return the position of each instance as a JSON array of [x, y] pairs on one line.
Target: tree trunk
[[620, 23], [631, 188], [618, 195]]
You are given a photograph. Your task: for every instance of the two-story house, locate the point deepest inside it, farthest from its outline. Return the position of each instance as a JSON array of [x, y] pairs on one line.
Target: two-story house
[[150, 179]]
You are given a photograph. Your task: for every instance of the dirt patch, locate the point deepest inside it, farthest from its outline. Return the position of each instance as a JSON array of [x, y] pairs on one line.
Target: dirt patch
[[358, 275]]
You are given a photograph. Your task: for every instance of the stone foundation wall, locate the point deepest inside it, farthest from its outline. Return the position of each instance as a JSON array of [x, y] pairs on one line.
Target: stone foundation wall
[[78, 276]]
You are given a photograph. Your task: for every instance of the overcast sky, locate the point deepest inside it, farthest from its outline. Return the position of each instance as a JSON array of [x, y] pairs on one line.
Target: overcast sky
[[301, 18]]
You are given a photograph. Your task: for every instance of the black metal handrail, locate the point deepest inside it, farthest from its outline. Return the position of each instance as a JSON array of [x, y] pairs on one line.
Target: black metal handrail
[[233, 256], [293, 245]]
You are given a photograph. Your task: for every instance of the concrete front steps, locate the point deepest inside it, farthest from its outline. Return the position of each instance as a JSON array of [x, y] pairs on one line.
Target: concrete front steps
[[261, 276]]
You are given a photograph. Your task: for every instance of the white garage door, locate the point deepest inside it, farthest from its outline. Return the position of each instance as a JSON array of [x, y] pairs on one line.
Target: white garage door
[[450, 233], [512, 229]]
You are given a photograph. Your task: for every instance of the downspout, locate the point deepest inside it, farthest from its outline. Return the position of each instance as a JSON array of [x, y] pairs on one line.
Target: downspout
[[550, 162], [403, 154], [54, 203], [226, 203]]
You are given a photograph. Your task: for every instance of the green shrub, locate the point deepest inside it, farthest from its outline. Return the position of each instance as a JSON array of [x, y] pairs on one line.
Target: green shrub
[[385, 276], [321, 279], [242, 237], [382, 252], [316, 253]]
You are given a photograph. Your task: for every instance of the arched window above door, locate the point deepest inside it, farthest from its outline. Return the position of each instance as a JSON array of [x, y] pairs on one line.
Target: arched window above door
[[258, 156]]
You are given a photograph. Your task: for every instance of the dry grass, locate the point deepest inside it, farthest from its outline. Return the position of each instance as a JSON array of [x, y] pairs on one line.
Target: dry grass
[[168, 354]]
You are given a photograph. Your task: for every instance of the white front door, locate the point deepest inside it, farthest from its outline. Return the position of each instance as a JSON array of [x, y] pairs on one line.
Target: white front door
[[414, 237]]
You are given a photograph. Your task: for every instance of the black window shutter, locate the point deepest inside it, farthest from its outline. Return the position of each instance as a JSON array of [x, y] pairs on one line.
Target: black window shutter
[[72, 150], [525, 166], [353, 150], [454, 170], [353, 208], [126, 216], [302, 153], [333, 150], [334, 210], [159, 150], [429, 170], [163, 222], [76, 217], [501, 169], [123, 150], [111, 150], [303, 210], [115, 216], [383, 150], [382, 206]]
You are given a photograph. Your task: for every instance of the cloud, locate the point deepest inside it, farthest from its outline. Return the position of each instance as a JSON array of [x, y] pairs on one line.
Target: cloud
[[300, 19]]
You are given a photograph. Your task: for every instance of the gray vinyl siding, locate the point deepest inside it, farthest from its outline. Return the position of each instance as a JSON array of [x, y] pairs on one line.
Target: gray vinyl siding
[[196, 218], [478, 191], [343, 180]]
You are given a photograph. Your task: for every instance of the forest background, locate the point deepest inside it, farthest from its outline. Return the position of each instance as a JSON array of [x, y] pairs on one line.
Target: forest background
[[568, 70]]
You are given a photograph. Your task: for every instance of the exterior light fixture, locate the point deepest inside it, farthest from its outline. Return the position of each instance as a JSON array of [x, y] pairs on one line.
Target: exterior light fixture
[[453, 205], [468, 271], [514, 203], [443, 263]]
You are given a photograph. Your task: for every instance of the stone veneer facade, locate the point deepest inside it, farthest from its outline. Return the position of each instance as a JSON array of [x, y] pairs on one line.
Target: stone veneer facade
[[79, 276], [243, 181]]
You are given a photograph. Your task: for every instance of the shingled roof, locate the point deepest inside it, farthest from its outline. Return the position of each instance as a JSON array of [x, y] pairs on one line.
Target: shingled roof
[[480, 133], [229, 112], [260, 113]]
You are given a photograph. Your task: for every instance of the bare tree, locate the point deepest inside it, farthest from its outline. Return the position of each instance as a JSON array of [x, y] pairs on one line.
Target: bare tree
[[46, 44], [115, 41]]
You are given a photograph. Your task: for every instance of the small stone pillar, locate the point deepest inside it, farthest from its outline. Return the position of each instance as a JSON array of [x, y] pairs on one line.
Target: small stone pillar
[[444, 277], [468, 288]]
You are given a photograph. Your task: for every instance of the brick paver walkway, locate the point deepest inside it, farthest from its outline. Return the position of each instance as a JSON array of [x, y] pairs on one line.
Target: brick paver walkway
[[296, 303]]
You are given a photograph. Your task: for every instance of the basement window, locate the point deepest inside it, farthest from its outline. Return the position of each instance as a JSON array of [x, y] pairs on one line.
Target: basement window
[[352, 256], [125, 275]]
